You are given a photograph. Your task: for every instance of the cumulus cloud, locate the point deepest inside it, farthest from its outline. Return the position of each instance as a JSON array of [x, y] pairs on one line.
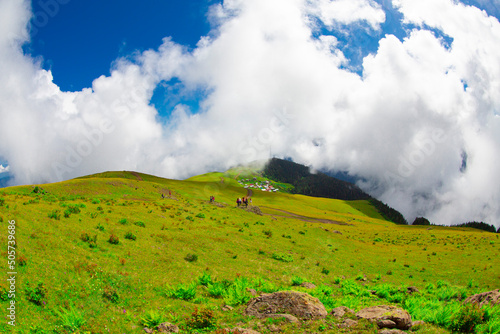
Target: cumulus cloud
[[335, 13], [420, 126]]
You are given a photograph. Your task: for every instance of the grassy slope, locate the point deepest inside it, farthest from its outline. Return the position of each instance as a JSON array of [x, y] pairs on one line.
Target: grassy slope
[[229, 242]]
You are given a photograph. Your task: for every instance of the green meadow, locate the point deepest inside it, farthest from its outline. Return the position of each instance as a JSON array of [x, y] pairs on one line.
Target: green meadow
[[119, 251]]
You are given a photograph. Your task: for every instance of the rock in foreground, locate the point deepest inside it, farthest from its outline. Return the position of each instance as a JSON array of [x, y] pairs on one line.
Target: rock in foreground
[[299, 304], [386, 316]]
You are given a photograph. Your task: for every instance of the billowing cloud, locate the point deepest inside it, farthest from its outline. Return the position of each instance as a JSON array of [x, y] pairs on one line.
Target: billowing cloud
[[420, 126]]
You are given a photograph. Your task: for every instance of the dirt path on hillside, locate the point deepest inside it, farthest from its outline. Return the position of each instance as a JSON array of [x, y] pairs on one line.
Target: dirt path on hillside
[[249, 192], [302, 218], [138, 177]]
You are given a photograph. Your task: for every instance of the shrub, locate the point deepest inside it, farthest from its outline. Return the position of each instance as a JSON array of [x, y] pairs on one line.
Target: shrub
[[130, 236], [4, 293], [152, 319], [113, 239], [236, 293], [2, 201], [337, 280], [282, 257], [37, 294], [140, 224], [182, 292], [216, 290], [297, 281], [268, 233], [200, 215], [110, 294], [191, 258], [325, 271], [55, 214], [71, 320], [205, 279], [99, 227], [466, 320], [189, 218], [123, 221], [22, 261], [96, 201], [202, 319]]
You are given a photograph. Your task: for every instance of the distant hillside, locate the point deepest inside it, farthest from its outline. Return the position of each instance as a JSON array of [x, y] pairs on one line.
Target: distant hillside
[[322, 185]]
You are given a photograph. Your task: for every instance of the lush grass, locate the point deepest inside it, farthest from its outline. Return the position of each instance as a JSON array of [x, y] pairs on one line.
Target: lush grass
[[72, 275]]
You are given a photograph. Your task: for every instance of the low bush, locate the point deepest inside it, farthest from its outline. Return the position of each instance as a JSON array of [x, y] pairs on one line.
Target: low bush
[[297, 281], [130, 236], [70, 320], [152, 319], [466, 320], [184, 292], [55, 214], [140, 224], [202, 319], [37, 294], [191, 258], [113, 239], [110, 294], [282, 257]]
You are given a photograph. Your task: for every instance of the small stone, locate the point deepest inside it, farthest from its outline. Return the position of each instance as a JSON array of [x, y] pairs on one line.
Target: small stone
[[167, 327], [339, 312], [348, 323], [308, 285], [412, 289], [227, 308]]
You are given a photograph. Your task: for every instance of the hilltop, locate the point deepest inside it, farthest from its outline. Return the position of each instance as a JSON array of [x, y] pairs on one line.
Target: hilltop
[[114, 251]]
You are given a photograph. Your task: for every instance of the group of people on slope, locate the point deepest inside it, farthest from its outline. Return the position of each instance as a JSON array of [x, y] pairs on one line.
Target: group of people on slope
[[243, 201]]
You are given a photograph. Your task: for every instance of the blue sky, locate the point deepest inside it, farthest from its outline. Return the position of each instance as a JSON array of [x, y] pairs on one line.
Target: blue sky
[[81, 41], [393, 92]]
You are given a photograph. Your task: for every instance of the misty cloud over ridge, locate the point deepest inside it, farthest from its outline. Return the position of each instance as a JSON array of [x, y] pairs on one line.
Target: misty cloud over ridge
[[421, 124]]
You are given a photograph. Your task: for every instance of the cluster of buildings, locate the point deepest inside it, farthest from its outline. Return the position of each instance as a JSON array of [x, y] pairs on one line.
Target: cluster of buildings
[[255, 184]]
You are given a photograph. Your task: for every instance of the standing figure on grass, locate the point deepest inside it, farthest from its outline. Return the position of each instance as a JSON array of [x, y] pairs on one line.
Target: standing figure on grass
[[238, 201]]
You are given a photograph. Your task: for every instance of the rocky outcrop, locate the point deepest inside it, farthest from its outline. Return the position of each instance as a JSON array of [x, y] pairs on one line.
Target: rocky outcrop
[[339, 312], [386, 316], [298, 304], [490, 297]]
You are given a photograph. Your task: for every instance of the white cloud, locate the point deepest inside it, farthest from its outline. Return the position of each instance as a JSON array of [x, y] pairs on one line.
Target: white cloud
[[4, 169], [334, 13], [272, 89]]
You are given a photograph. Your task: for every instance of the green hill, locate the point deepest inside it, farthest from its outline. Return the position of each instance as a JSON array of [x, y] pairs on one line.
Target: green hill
[[114, 251]]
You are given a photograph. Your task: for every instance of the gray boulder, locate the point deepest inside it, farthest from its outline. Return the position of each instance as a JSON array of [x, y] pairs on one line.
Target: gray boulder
[[387, 316], [298, 304], [490, 297]]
